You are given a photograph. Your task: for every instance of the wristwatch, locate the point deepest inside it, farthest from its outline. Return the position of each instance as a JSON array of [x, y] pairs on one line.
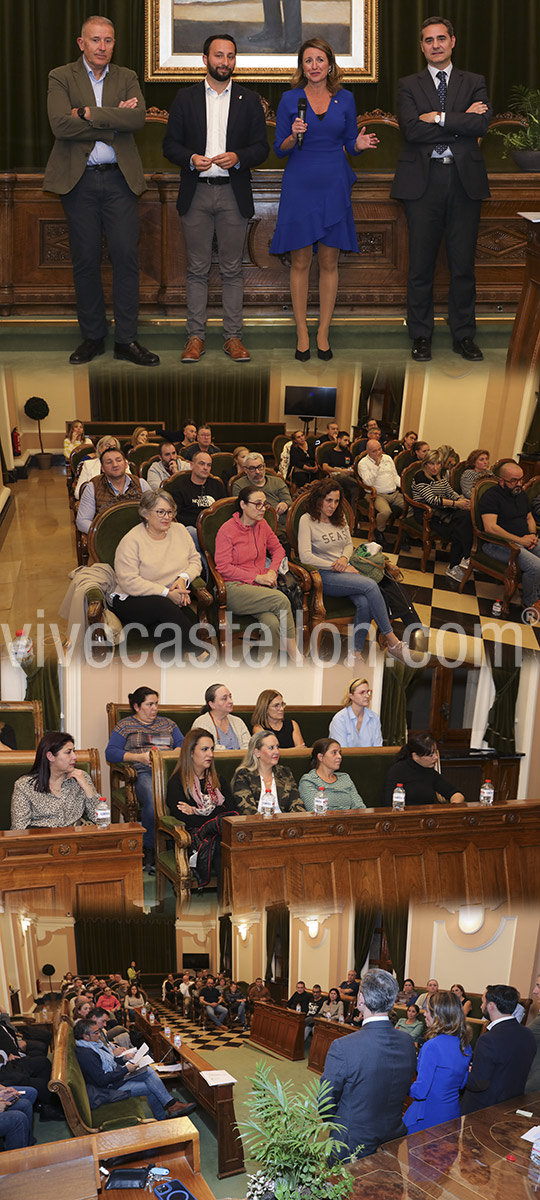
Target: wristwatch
[[437, 118], [81, 112]]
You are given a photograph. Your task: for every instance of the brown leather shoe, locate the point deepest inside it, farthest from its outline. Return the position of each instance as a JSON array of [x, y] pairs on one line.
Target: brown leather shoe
[[180, 1110], [234, 348], [193, 350]]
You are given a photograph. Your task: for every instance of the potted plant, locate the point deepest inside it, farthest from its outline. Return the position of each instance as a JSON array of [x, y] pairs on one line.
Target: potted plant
[[524, 144], [291, 1134], [37, 409]]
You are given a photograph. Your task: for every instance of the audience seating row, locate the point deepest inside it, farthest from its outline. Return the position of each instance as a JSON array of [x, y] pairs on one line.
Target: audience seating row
[[68, 1084], [19, 762]]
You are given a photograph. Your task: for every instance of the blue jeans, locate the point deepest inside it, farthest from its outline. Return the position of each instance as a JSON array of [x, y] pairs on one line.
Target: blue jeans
[[366, 597], [213, 1013], [145, 796], [16, 1121], [239, 1010], [150, 1085], [529, 565]]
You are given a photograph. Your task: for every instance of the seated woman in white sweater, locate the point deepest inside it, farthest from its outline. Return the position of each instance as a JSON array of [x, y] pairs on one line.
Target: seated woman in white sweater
[[154, 565], [324, 541]]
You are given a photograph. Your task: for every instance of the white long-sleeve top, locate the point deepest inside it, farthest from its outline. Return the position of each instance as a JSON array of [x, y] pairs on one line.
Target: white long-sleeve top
[[320, 544]]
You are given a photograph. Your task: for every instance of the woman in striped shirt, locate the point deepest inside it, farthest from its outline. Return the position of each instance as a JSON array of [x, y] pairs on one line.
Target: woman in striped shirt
[[452, 518]]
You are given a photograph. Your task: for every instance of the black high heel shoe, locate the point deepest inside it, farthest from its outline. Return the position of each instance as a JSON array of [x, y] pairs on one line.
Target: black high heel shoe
[[302, 355], [326, 355]]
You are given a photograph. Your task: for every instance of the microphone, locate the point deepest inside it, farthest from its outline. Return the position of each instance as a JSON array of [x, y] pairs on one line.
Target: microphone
[[302, 110]]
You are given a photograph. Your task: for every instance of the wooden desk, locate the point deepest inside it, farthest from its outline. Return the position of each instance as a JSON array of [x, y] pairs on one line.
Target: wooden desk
[[466, 1159], [324, 1033], [151, 1031], [435, 854], [77, 871], [278, 1029], [218, 1101], [71, 1168]]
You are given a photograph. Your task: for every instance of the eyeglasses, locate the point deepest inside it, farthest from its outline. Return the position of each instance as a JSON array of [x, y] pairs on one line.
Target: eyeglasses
[[164, 512], [258, 503]]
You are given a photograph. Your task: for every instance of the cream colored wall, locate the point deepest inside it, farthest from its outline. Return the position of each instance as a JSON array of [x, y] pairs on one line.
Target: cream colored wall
[[197, 931], [66, 392], [505, 950], [346, 380]]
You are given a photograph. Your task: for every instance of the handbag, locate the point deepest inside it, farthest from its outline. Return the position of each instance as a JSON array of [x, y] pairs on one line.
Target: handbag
[[128, 1177], [288, 584]]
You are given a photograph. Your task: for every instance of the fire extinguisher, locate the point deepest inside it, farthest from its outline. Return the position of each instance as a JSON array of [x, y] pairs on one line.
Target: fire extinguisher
[[15, 441]]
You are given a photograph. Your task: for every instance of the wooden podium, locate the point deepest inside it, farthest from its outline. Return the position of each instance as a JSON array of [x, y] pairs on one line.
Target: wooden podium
[[324, 1033], [278, 1029]]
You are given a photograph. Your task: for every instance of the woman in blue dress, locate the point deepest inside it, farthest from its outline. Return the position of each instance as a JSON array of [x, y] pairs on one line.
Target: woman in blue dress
[[315, 208], [443, 1064]]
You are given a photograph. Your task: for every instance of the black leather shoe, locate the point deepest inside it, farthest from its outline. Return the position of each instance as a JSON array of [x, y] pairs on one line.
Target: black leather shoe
[[134, 353], [87, 350], [421, 350], [468, 349]]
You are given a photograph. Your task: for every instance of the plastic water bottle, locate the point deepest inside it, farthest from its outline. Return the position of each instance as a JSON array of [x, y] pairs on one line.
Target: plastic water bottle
[[167, 1031], [22, 646], [398, 798], [487, 792], [321, 803], [328, 1017], [103, 813], [177, 1040], [151, 1018], [267, 803], [143, 1011], [298, 1008]]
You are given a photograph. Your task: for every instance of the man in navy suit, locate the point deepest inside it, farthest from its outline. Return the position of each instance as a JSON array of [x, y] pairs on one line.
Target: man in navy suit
[[370, 1071], [441, 177], [216, 133], [503, 1055]]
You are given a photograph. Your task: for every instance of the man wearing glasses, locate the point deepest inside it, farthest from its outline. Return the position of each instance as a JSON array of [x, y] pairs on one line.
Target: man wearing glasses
[[274, 487], [505, 511]]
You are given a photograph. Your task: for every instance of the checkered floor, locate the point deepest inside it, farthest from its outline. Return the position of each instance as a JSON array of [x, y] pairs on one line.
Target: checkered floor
[[467, 614], [197, 1038]]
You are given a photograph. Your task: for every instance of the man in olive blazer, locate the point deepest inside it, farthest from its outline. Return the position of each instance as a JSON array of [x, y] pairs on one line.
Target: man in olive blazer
[[94, 108], [441, 178]]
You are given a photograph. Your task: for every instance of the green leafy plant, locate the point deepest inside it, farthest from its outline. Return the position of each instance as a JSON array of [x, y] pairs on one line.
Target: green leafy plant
[[292, 1134], [37, 409], [526, 103]]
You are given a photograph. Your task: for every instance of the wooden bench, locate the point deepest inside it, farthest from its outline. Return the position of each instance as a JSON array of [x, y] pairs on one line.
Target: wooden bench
[[68, 1084], [218, 1101]]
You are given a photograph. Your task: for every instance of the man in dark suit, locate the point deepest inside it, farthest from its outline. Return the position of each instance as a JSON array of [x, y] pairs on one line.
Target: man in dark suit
[[216, 133], [370, 1071], [442, 179], [502, 1056], [94, 109]]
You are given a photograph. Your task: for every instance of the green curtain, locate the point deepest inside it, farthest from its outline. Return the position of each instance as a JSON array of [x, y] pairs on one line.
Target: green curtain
[[396, 680], [500, 733], [495, 37], [220, 396], [395, 926], [103, 945], [364, 923], [42, 684], [277, 926], [225, 944]]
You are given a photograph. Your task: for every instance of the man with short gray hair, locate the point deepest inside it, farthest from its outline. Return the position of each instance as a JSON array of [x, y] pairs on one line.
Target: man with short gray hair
[[273, 486], [370, 1071]]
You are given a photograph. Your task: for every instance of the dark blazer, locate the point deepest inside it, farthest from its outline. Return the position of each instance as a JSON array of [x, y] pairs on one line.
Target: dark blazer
[[417, 94], [502, 1060], [246, 135], [70, 87], [370, 1073]]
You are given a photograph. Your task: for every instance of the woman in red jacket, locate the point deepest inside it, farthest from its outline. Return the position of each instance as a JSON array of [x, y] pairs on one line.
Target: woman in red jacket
[[243, 545]]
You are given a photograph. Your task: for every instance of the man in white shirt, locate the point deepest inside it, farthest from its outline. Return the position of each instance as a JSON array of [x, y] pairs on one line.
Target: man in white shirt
[[216, 133], [377, 470]]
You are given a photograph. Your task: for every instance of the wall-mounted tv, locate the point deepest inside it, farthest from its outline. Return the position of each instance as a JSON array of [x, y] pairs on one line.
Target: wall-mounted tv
[[307, 402]]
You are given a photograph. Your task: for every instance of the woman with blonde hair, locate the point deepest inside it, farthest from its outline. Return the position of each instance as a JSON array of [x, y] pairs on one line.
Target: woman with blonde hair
[[315, 210], [260, 774], [75, 438], [355, 724], [200, 798], [269, 715], [443, 1064], [139, 437]]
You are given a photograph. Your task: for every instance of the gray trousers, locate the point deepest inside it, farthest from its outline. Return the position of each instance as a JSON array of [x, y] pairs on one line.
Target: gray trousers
[[266, 603], [214, 210]]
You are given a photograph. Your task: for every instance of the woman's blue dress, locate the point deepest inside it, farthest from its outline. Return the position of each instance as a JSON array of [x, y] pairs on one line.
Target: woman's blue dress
[[442, 1073], [315, 202]]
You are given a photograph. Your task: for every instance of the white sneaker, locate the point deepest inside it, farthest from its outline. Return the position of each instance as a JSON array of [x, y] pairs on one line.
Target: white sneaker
[[456, 573], [465, 562]]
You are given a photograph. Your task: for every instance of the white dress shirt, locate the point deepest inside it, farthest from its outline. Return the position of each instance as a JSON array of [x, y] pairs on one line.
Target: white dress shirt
[[382, 476], [217, 116]]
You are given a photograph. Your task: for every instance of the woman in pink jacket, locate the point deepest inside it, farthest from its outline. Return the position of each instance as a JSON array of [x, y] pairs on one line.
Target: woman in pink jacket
[[243, 545]]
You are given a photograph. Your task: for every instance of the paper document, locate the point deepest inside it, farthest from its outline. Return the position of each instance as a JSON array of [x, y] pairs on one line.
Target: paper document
[[216, 1077]]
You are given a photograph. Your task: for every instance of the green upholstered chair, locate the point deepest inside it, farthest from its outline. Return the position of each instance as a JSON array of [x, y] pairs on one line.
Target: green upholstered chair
[[223, 466], [67, 1082], [106, 531], [137, 455], [277, 446], [76, 459], [26, 720], [402, 460], [385, 157], [392, 446], [417, 517], [19, 762], [337, 610], [208, 524], [496, 468], [456, 473], [145, 466], [365, 502], [508, 574]]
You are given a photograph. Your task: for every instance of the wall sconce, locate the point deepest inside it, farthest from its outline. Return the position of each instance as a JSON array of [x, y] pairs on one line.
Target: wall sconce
[[243, 931], [471, 918], [25, 924], [313, 927]]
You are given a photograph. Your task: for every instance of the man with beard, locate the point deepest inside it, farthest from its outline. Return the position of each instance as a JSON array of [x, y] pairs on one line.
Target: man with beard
[[216, 133], [505, 510], [503, 1055]]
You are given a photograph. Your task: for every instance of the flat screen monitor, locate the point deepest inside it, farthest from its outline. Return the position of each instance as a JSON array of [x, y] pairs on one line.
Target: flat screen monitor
[[305, 402]]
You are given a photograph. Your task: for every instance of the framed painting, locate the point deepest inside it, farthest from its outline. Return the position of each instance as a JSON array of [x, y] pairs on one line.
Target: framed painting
[[268, 34]]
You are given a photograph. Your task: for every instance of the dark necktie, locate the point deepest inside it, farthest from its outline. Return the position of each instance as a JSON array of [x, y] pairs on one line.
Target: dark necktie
[[442, 88]]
